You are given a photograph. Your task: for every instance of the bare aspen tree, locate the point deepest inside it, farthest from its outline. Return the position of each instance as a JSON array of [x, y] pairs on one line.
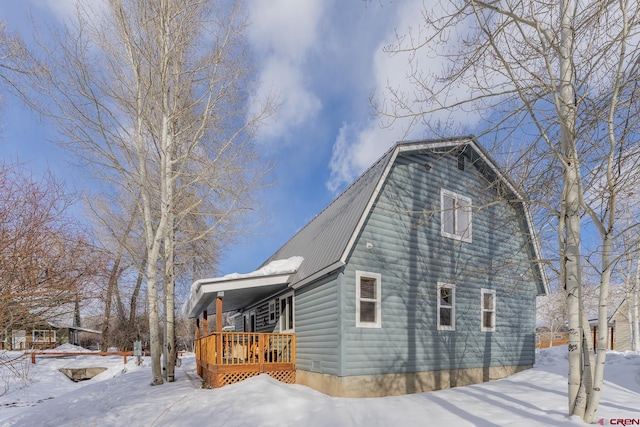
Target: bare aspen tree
[[153, 96], [46, 259], [555, 85], [15, 58], [118, 228]]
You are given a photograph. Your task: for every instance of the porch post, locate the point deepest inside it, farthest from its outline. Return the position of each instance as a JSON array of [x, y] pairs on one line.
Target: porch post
[[197, 348], [219, 345], [205, 324], [219, 311]]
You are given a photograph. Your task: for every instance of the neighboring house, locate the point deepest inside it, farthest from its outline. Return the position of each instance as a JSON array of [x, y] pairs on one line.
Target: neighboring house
[[619, 336], [595, 333], [422, 275], [39, 331], [622, 329]]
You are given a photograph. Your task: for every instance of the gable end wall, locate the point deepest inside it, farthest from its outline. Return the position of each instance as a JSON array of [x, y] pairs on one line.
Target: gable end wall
[[405, 245]]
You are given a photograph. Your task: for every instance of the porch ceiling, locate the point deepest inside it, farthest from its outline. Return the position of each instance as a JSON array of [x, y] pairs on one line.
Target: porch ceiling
[[236, 293]]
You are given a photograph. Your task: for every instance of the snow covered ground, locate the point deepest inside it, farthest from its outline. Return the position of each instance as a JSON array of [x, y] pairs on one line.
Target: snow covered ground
[[121, 396]]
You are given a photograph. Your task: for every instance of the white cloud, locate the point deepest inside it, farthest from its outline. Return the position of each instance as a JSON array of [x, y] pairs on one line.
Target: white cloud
[[283, 32], [285, 27], [286, 82], [356, 149]]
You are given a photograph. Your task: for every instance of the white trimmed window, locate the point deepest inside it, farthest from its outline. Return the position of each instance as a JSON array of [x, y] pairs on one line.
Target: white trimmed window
[[286, 313], [250, 321], [368, 300], [455, 218], [488, 312], [272, 311], [446, 307]]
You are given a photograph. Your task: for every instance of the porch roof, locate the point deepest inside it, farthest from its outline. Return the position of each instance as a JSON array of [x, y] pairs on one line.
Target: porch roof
[[240, 290]]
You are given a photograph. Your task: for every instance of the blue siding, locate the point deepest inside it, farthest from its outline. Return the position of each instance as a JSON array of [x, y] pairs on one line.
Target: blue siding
[[412, 256], [317, 324]]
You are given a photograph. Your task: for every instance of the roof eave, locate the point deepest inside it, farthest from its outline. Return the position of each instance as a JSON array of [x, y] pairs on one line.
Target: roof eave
[[206, 290], [313, 277]]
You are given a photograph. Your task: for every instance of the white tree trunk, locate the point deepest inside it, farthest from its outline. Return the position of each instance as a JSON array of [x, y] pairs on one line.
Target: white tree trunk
[[603, 329], [169, 306], [154, 321], [571, 198], [635, 318], [572, 281]]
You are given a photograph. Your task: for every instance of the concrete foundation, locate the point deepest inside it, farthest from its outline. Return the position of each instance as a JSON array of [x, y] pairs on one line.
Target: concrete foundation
[[402, 383]]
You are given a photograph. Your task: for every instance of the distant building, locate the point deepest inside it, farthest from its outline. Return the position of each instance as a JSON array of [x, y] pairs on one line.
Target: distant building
[[38, 331], [619, 334]]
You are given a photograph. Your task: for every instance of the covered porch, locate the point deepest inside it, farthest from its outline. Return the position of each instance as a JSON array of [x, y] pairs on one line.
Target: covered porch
[[227, 357]]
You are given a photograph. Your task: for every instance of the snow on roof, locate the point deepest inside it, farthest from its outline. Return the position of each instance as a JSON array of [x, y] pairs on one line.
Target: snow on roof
[[239, 288], [279, 266]]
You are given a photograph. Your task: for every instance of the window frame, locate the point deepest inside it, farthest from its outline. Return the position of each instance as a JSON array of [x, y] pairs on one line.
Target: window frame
[[250, 321], [287, 314], [439, 307], [483, 310], [272, 316], [463, 233], [377, 300]]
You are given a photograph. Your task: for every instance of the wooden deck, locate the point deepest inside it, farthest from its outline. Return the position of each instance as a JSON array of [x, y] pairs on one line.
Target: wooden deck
[[228, 357]]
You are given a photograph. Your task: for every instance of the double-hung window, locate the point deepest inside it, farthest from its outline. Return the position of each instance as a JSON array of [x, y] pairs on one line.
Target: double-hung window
[[368, 300], [272, 311], [446, 306], [455, 219], [250, 321], [488, 312], [286, 313]]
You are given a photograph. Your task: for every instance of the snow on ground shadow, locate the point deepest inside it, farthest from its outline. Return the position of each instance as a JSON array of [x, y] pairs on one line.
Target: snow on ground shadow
[[122, 396]]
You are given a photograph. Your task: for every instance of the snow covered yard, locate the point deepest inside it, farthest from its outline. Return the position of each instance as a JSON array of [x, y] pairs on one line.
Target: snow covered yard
[[121, 396]]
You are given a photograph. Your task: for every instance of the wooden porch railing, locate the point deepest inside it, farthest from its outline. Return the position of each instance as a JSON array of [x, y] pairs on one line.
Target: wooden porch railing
[[228, 357]]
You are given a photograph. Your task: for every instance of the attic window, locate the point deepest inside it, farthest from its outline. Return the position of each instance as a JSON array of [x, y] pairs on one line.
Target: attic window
[[461, 161], [455, 218]]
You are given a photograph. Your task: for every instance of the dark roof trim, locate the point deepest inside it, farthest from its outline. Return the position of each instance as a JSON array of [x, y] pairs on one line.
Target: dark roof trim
[[325, 271]]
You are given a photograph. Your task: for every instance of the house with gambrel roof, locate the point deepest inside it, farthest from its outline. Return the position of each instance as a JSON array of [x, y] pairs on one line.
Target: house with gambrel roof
[[422, 275]]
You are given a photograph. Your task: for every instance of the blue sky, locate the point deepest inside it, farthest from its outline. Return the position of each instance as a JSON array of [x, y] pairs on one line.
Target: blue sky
[[324, 58]]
